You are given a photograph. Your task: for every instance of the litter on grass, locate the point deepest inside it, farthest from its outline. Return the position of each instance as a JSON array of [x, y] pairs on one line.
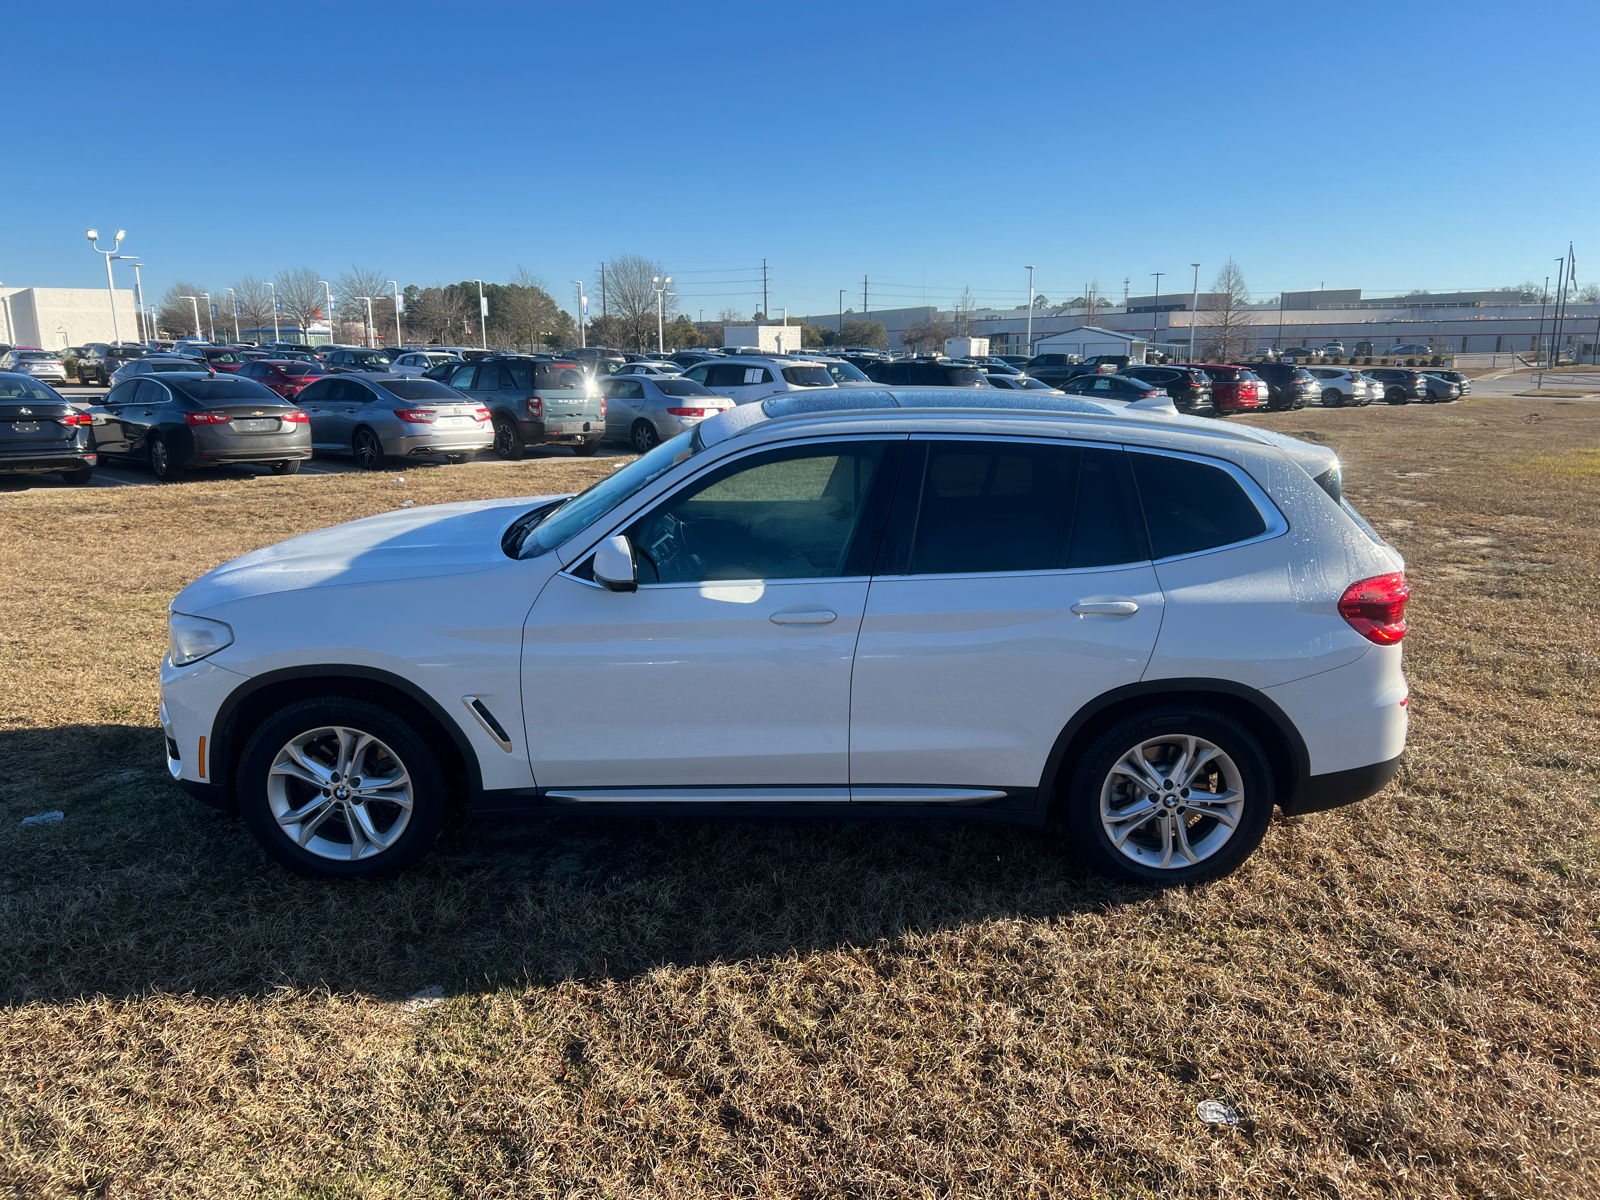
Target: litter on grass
[[428, 997], [49, 818], [1215, 1112]]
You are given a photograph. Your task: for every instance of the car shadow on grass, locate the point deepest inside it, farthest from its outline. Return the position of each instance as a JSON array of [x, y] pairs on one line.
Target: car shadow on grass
[[140, 888]]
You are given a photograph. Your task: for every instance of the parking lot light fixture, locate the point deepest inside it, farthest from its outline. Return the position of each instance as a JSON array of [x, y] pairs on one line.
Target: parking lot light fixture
[[1030, 308], [94, 240], [138, 309], [195, 301], [327, 291], [211, 320], [235, 302], [659, 286], [483, 315], [399, 338], [582, 338], [1155, 313], [276, 337], [368, 299], [1194, 309]]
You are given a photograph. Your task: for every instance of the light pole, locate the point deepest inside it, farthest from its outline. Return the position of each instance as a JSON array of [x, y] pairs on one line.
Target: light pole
[[1155, 313], [399, 307], [841, 312], [1030, 309], [195, 301], [276, 336], [659, 286], [211, 316], [138, 316], [1194, 310], [111, 291], [148, 325], [483, 315], [328, 292], [368, 299], [235, 301], [583, 339]]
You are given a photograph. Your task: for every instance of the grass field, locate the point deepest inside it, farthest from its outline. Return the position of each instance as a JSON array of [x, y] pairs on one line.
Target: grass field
[[1402, 998]]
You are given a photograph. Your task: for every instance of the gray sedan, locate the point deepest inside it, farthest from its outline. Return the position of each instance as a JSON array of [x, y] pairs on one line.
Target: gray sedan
[[162, 364], [644, 410], [374, 417]]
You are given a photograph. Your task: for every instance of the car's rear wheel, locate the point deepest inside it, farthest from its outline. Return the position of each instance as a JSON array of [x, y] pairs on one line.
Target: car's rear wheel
[[508, 443], [368, 450], [339, 788], [1396, 396], [644, 437], [289, 466], [162, 465], [1173, 794], [586, 449], [455, 460], [1332, 397], [77, 478]]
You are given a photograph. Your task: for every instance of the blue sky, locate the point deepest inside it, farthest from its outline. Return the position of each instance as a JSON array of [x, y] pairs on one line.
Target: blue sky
[[928, 146]]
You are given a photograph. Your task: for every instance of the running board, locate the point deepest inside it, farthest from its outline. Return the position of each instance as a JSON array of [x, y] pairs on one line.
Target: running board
[[776, 795]]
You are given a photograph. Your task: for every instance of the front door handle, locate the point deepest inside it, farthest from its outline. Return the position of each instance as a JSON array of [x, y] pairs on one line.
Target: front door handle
[[803, 616], [1109, 608]]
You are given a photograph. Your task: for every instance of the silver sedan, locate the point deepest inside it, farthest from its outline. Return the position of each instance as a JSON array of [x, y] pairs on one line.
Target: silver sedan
[[645, 411], [374, 417], [44, 365]]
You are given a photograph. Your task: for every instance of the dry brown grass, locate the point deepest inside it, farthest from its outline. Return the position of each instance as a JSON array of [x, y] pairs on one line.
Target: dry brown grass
[[1402, 998]]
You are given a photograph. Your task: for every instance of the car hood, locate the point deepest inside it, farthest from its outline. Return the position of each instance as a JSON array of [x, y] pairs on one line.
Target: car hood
[[410, 543]]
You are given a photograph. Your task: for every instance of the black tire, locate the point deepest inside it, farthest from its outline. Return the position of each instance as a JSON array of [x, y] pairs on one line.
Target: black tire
[[455, 460], [586, 449], [1396, 396], [1333, 398], [162, 465], [508, 443], [289, 466], [368, 450], [1082, 799], [644, 437], [256, 790], [77, 478]]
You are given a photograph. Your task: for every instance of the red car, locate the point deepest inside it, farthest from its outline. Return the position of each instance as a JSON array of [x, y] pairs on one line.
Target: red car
[[1233, 389], [284, 376], [219, 359]]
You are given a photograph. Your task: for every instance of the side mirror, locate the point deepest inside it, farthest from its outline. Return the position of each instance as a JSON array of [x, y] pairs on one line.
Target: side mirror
[[614, 565]]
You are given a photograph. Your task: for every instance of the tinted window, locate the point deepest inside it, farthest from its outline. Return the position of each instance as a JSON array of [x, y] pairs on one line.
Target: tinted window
[[421, 389], [299, 368], [121, 394], [1009, 506], [698, 374], [808, 376], [723, 375], [1189, 506], [317, 392], [488, 378], [783, 514], [150, 393], [843, 372], [462, 378], [681, 387], [225, 391]]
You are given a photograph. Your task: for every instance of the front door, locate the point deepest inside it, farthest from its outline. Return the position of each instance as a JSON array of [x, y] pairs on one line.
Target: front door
[[1012, 588], [730, 666], [109, 435]]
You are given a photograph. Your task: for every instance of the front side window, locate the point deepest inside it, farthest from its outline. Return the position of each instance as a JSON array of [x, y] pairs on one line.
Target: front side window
[[843, 372], [488, 378], [988, 507], [1191, 506], [781, 514]]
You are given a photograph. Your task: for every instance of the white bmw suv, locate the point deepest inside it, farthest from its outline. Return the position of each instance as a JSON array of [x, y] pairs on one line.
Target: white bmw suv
[[892, 602]]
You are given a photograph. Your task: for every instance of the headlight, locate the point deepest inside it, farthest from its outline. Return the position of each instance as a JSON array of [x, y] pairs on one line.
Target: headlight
[[192, 638]]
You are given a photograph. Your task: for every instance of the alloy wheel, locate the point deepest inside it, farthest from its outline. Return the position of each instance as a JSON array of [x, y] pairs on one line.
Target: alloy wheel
[[368, 450], [340, 793], [1171, 801], [645, 437]]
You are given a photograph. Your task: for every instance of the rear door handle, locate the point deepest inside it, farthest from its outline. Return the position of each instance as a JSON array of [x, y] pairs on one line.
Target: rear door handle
[[803, 616], [1109, 608]]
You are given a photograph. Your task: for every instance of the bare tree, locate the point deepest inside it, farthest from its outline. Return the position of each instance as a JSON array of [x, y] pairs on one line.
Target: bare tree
[[525, 313], [927, 335], [356, 283], [1094, 303], [176, 315], [732, 316], [1225, 314], [255, 306], [963, 316], [631, 297], [300, 296], [441, 314]]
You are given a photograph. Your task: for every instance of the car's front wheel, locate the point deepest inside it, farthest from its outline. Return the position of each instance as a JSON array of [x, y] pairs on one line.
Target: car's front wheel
[[1171, 795], [339, 788], [645, 438], [1333, 397]]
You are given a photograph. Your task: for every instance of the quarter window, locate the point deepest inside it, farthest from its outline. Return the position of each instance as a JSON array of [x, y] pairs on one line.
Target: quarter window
[[1190, 506], [783, 514]]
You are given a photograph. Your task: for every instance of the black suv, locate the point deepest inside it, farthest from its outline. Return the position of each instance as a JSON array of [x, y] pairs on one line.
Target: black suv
[[1288, 386], [926, 372], [1056, 369], [1189, 389], [1400, 384], [98, 361]]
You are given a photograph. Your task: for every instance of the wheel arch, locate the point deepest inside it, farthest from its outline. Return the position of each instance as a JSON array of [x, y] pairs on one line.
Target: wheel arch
[[1285, 748], [252, 701]]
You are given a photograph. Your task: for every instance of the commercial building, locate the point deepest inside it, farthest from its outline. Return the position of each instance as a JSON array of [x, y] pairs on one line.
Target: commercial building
[[55, 318]]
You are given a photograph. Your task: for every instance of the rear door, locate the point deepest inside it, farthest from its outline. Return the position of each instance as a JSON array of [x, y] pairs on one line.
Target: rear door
[[1013, 587]]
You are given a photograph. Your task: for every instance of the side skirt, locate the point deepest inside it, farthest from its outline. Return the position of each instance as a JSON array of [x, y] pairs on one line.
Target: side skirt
[[1007, 805]]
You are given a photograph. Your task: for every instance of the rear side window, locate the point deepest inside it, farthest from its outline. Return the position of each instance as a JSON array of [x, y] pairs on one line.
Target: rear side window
[[1190, 506], [987, 507], [542, 377]]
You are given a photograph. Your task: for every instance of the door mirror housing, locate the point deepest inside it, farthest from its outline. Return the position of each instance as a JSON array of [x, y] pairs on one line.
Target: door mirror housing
[[614, 566]]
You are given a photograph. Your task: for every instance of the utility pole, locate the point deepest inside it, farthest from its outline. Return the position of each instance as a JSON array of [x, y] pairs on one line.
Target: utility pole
[[841, 312], [863, 297], [764, 288], [1194, 311], [1030, 309], [1544, 298], [1125, 282], [583, 334], [602, 289]]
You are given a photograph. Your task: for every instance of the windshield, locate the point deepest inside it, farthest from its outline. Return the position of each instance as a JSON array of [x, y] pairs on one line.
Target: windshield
[[587, 507], [187, 367], [36, 356], [20, 387], [843, 372], [422, 389], [374, 357], [300, 368]]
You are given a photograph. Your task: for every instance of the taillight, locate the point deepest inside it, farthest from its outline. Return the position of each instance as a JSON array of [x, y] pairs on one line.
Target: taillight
[[1376, 607], [206, 418], [602, 408], [535, 407], [76, 419], [1149, 395], [296, 418], [417, 416], [480, 413], [687, 412]]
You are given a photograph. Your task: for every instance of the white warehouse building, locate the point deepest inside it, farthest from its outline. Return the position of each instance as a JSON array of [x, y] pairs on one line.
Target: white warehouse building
[[55, 318]]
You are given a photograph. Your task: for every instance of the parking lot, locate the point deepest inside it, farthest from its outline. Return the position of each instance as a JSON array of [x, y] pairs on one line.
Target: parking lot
[[1399, 997]]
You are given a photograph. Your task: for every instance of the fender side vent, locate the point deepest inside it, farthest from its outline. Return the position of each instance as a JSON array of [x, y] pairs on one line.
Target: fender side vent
[[486, 718]]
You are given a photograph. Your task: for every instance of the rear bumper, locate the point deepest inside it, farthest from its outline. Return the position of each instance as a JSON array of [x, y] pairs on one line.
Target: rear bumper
[[592, 429], [1318, 793], [254, 454], [463, 441], [46, 464]]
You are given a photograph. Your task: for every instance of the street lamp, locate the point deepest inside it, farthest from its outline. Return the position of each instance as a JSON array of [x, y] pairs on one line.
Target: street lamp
[[328, 292], [841, 312], [94, 240], [276, 336], [138, 315], [368, 299], [195, 300], [399, 307], [235, 302], [1194, 309], [483, 315], [147, 321], [211, 316], [1030, 310], [659, 286], [583, 339], [1155, 313]]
